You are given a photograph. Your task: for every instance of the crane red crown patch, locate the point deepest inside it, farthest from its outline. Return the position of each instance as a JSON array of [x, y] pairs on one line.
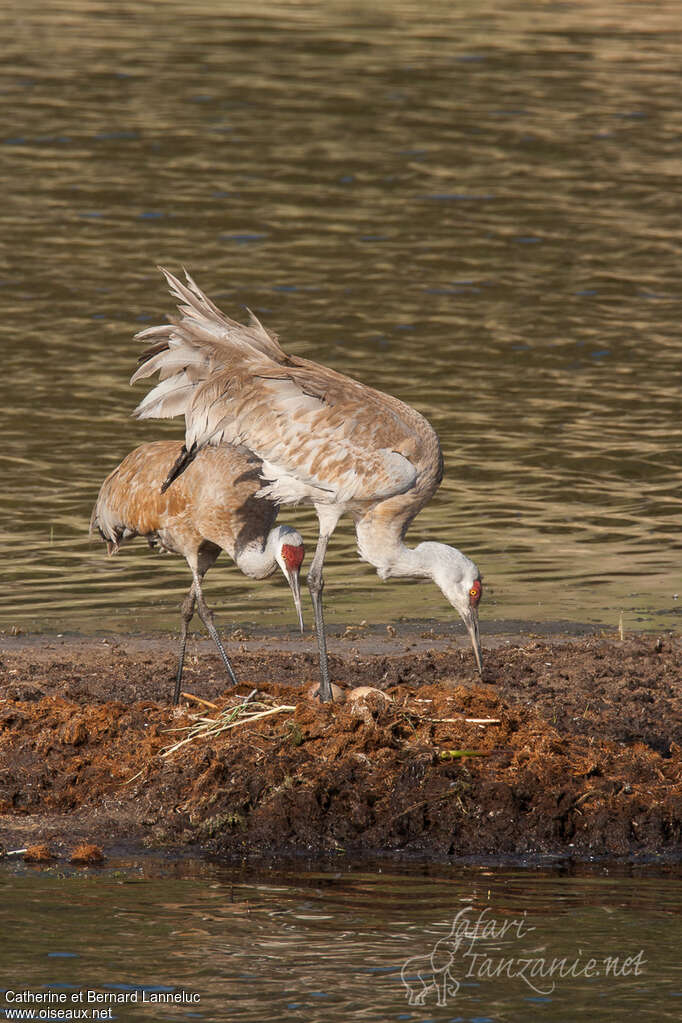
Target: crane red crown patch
[[475, 593], [293, 556]]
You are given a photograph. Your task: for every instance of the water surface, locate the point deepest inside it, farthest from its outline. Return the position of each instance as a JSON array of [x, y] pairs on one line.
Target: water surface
[[327, 944], [473, 207]]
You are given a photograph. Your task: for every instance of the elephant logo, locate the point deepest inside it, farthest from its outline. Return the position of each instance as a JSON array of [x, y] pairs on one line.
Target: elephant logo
[[423, 974]]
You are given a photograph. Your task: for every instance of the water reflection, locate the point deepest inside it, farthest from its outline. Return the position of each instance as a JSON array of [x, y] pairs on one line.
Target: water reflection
[[321, 944], [470, 208]]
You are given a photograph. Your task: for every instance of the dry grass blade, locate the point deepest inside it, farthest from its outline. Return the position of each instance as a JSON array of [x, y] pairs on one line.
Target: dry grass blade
[[199, 699], [468, 721], [231, 717], [455, 754]]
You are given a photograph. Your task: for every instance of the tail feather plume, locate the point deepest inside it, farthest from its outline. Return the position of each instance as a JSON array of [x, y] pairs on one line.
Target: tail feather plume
[[188, 349]]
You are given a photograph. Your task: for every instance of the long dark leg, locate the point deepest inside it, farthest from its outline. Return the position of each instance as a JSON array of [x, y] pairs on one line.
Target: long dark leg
[[207, 618], [187, 612], [316, 585]]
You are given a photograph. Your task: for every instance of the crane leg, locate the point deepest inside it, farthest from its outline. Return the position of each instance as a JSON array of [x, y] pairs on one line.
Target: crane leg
[[187, 612], [316, 585], [207, 618]]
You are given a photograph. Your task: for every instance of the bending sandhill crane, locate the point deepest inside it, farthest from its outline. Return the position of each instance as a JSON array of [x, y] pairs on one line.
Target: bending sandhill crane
[[322, 437], [213, 507]]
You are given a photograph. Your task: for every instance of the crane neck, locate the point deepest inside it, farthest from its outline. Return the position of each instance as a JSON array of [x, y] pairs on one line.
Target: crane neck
[[389, 554], [258, 559], [452, 571]]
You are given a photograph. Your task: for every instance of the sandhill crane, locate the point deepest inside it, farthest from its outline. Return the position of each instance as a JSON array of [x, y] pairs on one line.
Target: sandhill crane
[[213, 507], [323, 438]]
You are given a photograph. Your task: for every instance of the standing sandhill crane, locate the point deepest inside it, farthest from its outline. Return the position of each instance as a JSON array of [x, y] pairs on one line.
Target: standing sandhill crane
[[322, 437], [213, 507]]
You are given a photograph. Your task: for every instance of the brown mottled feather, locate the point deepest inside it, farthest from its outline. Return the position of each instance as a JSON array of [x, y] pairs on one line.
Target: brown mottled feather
[[212, 502]]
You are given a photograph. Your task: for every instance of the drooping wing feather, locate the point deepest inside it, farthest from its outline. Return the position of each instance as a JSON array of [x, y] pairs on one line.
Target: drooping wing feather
[[190, 349], [201, 313], [321, 435]]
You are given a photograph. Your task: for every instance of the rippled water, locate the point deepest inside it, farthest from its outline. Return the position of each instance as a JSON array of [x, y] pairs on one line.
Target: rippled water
[[472, 206], [327, 945]]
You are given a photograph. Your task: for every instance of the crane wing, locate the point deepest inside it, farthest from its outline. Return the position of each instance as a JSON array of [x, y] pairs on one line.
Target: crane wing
[[312, 447], [320, 435]]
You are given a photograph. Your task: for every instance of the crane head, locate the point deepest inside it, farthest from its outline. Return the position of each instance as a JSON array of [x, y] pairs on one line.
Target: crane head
[[289, 552], [460, 581]]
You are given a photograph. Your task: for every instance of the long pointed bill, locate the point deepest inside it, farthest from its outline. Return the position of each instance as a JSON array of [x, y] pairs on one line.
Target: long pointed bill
[[295, 585], [471, 622]]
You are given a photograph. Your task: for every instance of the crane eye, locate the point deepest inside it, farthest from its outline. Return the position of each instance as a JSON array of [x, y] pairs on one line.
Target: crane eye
[[475, 593]]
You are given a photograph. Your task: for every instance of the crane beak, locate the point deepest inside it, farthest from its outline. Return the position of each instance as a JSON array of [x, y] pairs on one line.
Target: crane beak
[[295, 584], [471, 623]]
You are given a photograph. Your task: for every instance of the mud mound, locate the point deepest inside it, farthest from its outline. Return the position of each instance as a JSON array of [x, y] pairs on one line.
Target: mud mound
[[563, 749]]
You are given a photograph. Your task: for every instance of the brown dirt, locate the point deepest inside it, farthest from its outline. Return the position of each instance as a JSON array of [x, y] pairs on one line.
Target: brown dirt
[[585, 760]]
